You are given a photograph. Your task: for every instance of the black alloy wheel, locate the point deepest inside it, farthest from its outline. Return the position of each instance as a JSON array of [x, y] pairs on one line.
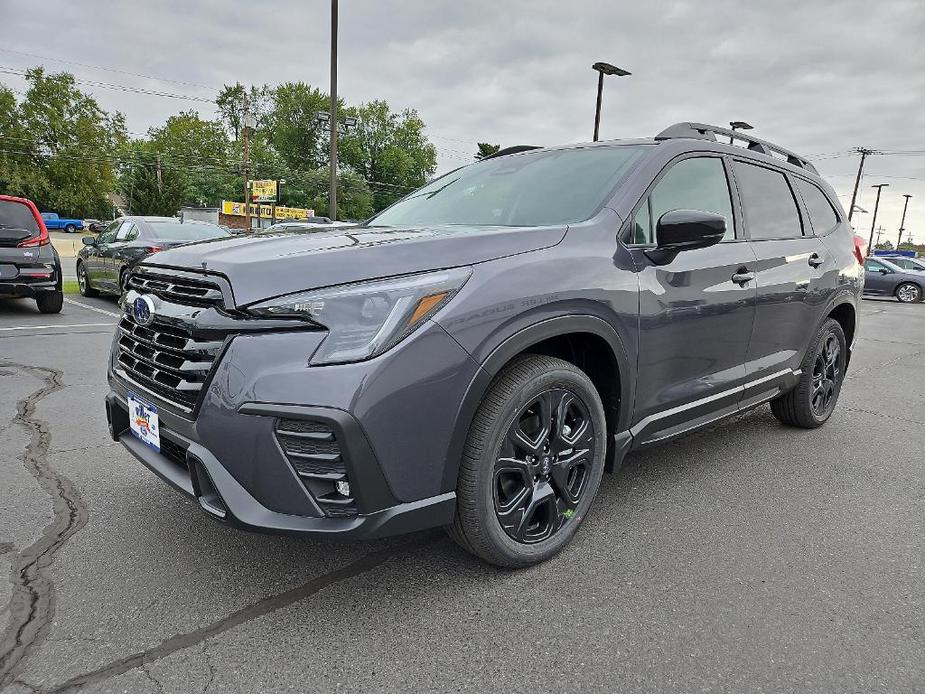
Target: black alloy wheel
[[543, 466], [532, 464], [811, 402], [826, 377]]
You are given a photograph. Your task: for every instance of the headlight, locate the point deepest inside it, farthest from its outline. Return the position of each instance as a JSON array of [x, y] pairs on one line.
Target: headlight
[[367, 318]]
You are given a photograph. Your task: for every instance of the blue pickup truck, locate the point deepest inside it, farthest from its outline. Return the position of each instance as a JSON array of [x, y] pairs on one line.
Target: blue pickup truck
[[53, 221]]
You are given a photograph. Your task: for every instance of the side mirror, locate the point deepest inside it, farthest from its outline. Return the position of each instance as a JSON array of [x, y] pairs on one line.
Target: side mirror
[[883, 271], [684, 230], [89, 240]]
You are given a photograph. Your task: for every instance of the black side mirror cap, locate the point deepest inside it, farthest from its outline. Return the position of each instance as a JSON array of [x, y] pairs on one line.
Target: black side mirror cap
[[89, 240], [684, 230]]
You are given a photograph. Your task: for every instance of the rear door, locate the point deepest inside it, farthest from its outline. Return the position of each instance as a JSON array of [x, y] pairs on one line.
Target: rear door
[[110, 255], [696, 311], [796, 278]]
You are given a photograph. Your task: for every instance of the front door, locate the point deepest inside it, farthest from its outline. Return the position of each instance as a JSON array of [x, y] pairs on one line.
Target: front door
[[796, 277], [695, 312], [877, 278]]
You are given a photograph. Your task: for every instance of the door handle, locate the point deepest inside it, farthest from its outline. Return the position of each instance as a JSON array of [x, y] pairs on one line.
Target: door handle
[[743, 277], [815, 260]]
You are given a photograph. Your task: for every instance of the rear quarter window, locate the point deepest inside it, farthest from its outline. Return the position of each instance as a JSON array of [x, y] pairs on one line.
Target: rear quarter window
[[770, 209], [822, 215]]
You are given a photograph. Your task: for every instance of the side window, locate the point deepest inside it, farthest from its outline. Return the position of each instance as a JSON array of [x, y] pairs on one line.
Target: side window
[[821, 214], [770, 209], [873, 266], [641, 228], [698, 183], [124, 231], [109, 235]]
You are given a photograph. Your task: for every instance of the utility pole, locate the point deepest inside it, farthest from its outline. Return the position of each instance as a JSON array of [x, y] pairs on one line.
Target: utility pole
[[332, 205], [879, 187], [857, 181], [246, 156], [880, 231], [160, 180], [902, 224]]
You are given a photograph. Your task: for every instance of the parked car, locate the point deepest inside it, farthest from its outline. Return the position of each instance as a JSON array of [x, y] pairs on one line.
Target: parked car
[[29, 264], [882, 277], [96, 225], [56, 223], [905, 262], [476, 355], [104, 260]]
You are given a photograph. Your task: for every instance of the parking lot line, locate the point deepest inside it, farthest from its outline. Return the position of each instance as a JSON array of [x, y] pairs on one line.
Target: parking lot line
[[48, 327], [92, 308]]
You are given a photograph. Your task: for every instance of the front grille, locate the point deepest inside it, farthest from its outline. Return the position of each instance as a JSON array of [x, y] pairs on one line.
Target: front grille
[[315, 454], [183, 290], [167, 360]]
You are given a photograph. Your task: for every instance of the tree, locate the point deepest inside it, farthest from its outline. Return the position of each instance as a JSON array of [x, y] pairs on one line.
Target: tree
[[389, 150], [292, 128], [149, 184], [884, 246], [485, 150], [230, 102], [59, 146]]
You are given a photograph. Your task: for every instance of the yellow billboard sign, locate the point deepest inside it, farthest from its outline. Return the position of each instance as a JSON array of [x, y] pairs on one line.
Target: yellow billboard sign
[[263, 191], [238, 210]]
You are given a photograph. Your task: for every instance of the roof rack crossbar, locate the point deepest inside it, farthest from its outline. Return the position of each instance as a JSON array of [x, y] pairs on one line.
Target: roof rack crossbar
[[513, 149], [702, 131]]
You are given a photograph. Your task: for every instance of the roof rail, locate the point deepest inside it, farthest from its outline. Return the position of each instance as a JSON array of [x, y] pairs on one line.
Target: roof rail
[[701, 131], [513, 149]]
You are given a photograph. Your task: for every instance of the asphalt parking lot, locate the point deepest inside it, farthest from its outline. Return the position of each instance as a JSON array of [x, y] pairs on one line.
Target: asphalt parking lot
[[746, 558]]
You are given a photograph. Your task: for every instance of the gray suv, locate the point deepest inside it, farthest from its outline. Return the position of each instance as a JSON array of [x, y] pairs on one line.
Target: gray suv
[[479, 354]]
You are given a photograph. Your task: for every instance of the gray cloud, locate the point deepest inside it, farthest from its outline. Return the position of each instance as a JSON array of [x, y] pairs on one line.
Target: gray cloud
[[816, 77]]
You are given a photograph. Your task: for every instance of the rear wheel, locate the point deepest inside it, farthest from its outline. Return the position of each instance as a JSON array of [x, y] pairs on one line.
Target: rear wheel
[[50, 302], [532, 465], [83, 282], [70, 228], [909, 293], [812, 402]]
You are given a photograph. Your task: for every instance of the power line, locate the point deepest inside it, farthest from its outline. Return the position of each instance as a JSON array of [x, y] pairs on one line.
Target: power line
[[118, 87], [109, 69]]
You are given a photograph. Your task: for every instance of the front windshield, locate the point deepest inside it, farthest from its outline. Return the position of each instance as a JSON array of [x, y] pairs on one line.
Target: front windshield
[[531, 189], [187, 231]]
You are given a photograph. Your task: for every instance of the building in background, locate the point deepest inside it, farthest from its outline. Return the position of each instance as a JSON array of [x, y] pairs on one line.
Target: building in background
[[232, 215]]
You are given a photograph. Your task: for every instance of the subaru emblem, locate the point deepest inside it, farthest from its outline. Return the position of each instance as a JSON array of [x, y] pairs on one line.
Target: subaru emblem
[[143, 309]]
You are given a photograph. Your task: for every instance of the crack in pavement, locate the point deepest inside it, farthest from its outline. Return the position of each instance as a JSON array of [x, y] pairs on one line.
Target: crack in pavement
[[891, 417], [863, 370], [241, 616], [32, 603]]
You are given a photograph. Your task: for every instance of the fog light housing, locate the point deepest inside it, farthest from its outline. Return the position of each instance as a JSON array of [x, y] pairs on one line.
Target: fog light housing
[[342, 487]]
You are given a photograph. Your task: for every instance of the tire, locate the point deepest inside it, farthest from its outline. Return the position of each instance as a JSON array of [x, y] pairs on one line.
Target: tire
[[70, 228], [555, 489], [812, 401], [50, 302], [122, 277], [83, 282], [909, 293]]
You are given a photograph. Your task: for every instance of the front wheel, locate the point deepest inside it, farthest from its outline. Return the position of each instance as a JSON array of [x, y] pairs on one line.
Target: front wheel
[[812, 401], [70, 228], [909, 293], [83, 282], [532, 464]]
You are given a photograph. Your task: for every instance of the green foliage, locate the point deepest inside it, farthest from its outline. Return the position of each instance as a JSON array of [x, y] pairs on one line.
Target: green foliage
[[291, 127], [884, 246], [389, 150], [57, 146], [149, 184], [485, 149]]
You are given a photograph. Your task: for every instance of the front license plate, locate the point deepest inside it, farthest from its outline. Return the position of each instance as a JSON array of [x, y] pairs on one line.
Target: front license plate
[[142, 419]]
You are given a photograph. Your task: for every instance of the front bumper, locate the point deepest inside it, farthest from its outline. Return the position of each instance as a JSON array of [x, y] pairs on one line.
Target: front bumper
[[227, 454]]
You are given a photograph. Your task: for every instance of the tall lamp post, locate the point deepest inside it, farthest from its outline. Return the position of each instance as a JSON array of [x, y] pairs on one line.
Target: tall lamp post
[[603, 69], [873, 222], [902, 224], [332, 205]]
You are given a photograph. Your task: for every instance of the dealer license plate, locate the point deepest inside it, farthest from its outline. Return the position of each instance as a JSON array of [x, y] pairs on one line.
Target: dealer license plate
[[142, 418]]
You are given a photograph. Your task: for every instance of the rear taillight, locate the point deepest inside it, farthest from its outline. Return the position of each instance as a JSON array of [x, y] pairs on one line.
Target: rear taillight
[[860, 248], [40, 240]]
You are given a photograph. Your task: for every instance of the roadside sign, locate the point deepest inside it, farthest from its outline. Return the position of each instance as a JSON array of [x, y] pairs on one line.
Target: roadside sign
[[263, 191]]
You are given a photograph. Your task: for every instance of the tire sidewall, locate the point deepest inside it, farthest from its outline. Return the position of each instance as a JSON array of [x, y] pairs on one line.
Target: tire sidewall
[[831, 327], [85, 285], [559, 378]]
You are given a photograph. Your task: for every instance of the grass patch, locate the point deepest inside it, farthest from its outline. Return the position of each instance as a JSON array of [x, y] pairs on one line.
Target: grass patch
[[70, 287]]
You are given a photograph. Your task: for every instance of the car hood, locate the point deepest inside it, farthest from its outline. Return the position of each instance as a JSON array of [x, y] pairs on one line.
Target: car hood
[[265, 265]]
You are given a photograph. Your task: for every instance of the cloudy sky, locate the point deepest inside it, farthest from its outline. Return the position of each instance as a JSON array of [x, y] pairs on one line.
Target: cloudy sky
[[817, 77]]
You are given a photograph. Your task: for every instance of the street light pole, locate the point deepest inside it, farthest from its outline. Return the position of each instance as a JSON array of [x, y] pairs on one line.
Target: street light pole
[[603, 69], [873, 223], [738, 125], [857, 181], [902, 224], [332, 205]]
